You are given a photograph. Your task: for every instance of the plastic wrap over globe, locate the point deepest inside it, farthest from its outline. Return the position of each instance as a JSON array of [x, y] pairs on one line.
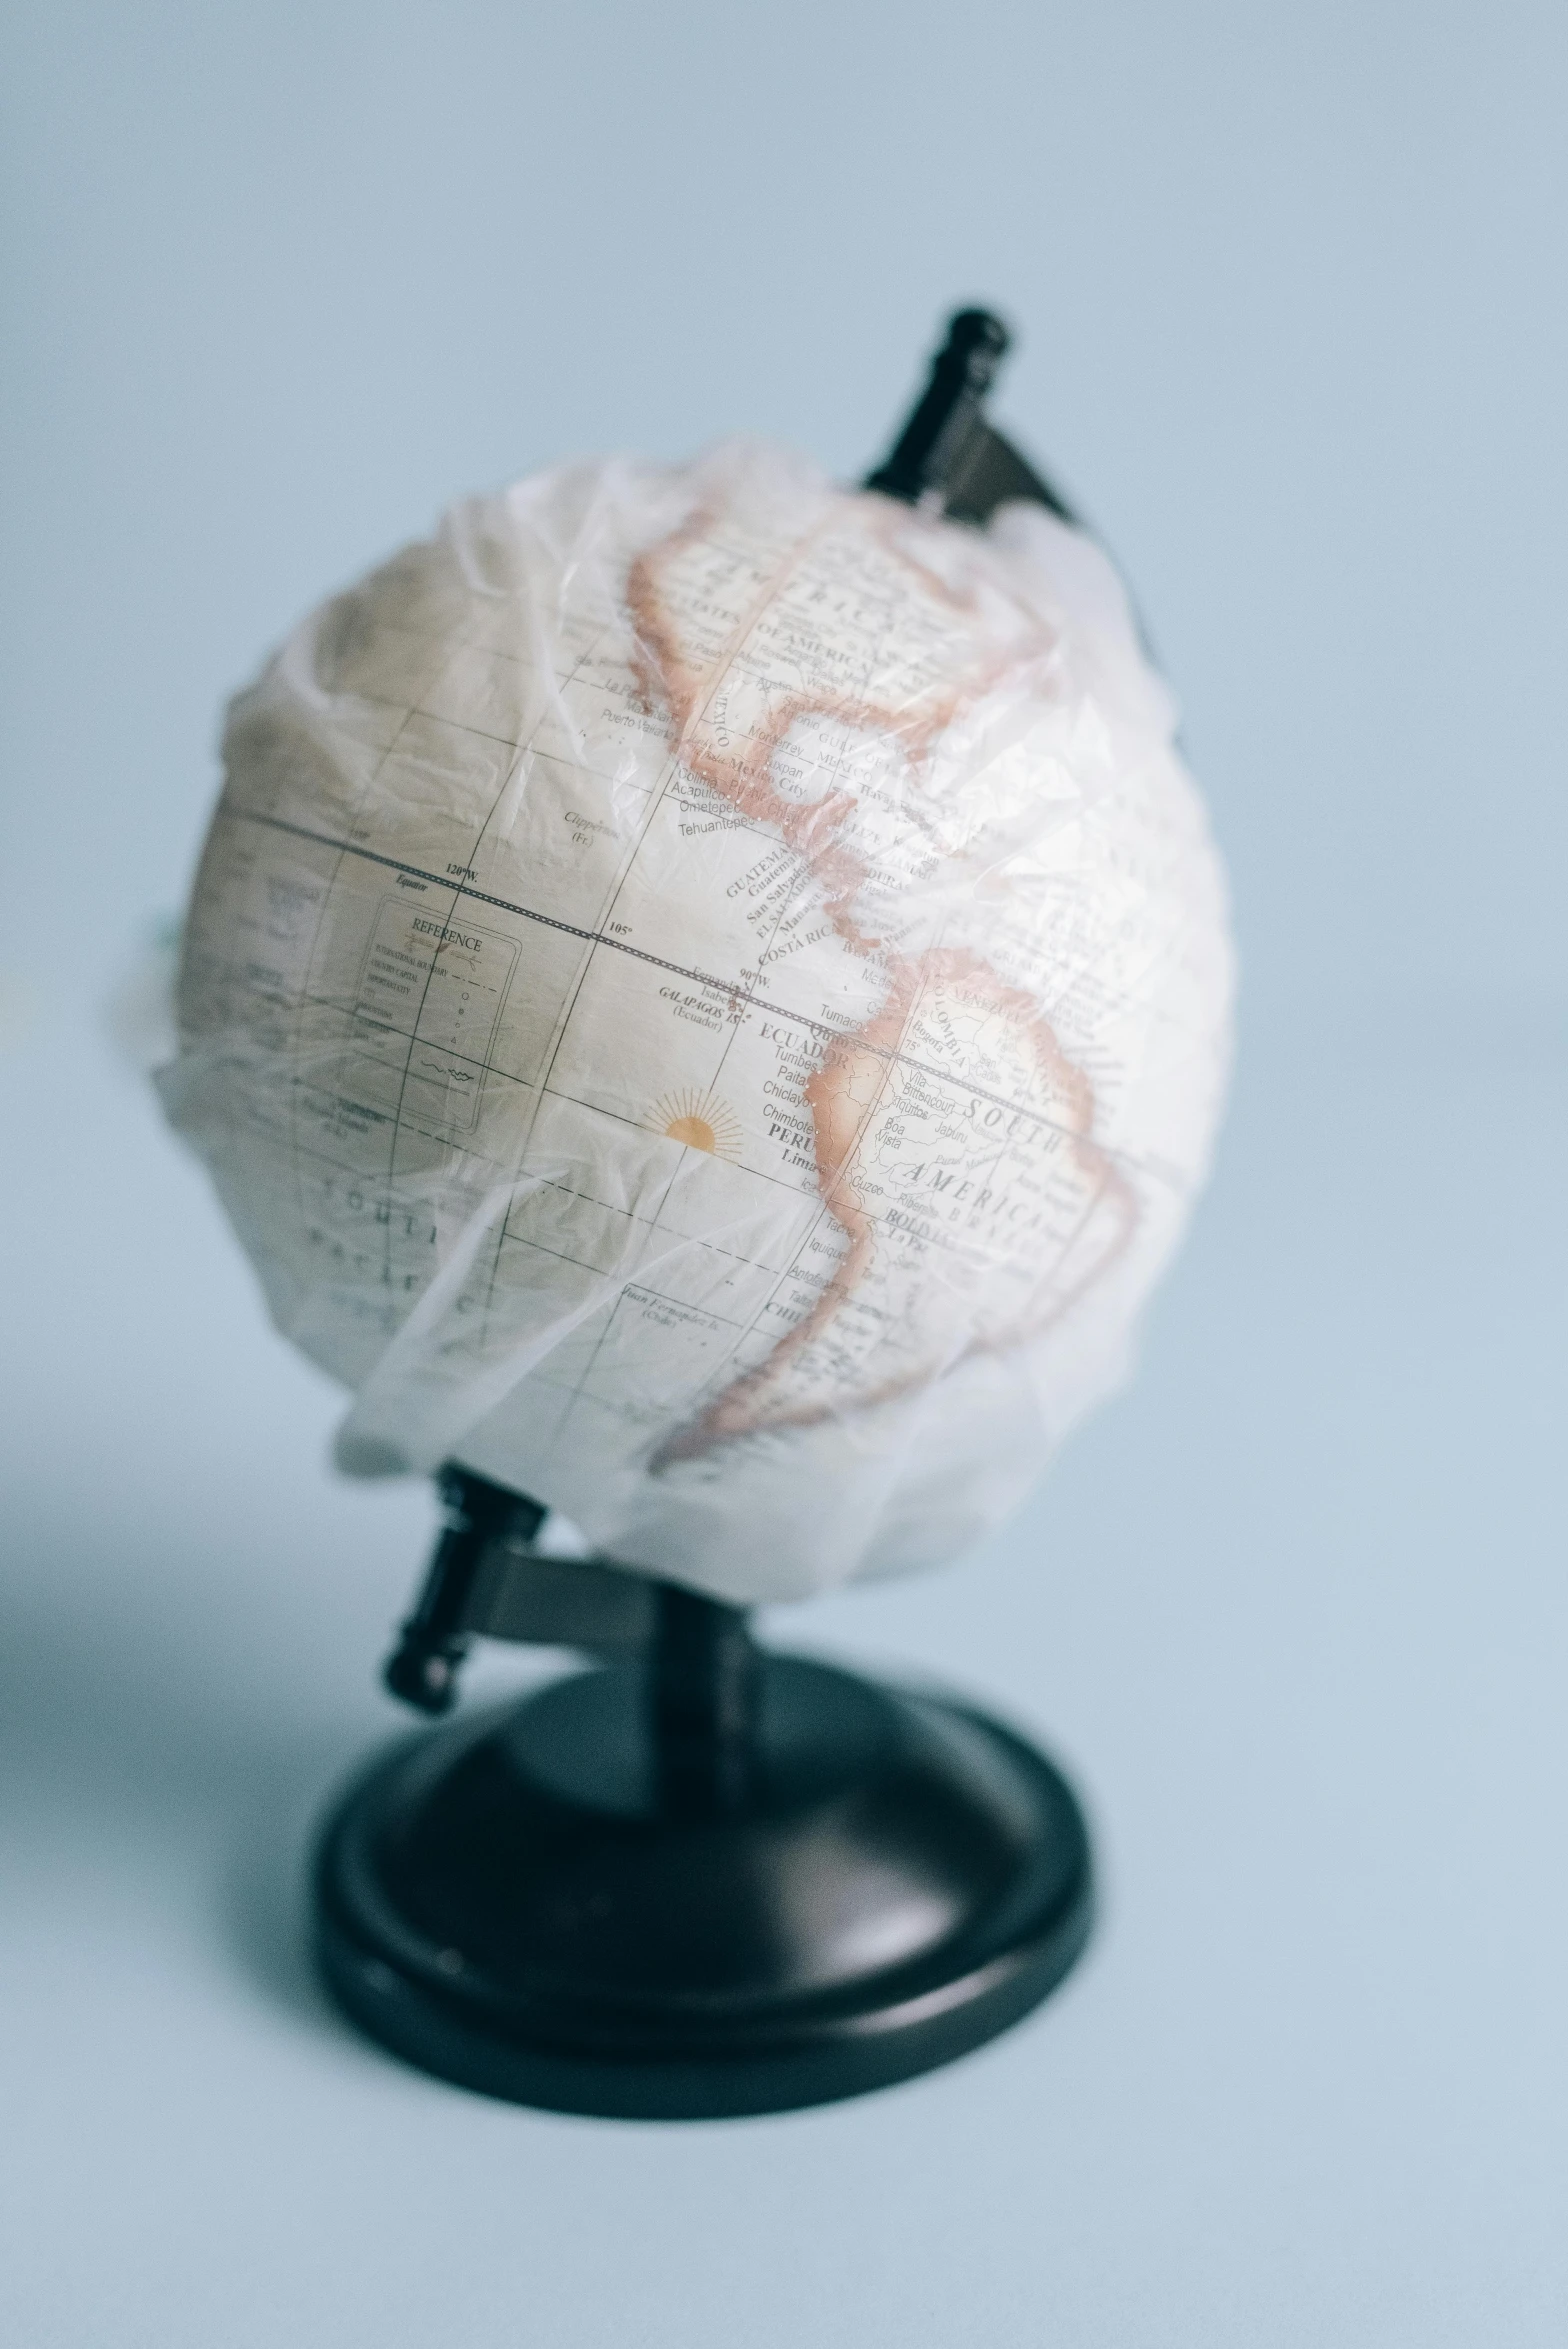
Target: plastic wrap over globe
[[706, 1000]]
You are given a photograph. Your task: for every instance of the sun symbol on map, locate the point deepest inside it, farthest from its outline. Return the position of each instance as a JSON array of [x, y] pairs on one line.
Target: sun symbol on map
[[700, 1121]]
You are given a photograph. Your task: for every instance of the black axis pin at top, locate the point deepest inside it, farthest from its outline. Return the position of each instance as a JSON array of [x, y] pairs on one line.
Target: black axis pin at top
[[922, 458], [947, 457]]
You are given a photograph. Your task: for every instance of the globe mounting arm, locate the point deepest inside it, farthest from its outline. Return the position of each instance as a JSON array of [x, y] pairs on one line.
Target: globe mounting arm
[[486, 1580]]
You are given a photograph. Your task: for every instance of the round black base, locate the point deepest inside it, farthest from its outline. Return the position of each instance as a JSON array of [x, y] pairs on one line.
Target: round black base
[[513, 1904]]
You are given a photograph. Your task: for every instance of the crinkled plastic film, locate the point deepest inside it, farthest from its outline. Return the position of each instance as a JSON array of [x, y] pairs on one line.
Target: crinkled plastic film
[[706, 999]]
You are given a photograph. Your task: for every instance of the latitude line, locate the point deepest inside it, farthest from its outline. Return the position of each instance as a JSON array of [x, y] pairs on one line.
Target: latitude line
[[725, 987]]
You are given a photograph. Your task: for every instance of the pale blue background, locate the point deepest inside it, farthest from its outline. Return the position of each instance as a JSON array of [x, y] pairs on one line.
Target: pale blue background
[[282, 281]]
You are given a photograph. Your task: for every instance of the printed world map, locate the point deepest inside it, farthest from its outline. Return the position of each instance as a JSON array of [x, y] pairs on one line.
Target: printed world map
[[706, 998]]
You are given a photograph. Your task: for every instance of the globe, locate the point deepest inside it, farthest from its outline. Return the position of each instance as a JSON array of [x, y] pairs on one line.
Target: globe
[[706, 1001]]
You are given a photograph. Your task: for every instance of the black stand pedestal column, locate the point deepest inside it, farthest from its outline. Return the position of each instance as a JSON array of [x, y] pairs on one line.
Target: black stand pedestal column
[[714, 1881]]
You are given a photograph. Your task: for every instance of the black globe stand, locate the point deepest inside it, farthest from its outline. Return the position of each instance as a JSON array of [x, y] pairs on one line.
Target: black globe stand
[[698, 1879], [704, 1881]]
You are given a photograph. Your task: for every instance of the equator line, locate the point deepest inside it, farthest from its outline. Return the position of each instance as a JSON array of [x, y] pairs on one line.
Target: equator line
[[725, 987]]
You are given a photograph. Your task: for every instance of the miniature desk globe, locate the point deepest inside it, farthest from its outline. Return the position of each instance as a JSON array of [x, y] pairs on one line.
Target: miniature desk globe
[[706, 1001]]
